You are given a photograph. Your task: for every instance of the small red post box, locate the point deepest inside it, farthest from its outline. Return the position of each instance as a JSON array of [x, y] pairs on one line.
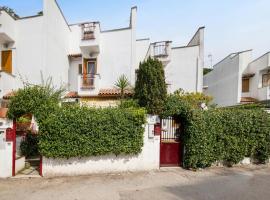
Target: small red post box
[[157, 129], [10, 135]]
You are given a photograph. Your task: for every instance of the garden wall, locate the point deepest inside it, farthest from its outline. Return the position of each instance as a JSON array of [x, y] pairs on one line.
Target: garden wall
[[148, 159]]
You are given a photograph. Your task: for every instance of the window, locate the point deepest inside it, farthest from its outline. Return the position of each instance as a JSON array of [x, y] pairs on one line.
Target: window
[[6, 64], [266, 80], [245, 85], [89, 66]]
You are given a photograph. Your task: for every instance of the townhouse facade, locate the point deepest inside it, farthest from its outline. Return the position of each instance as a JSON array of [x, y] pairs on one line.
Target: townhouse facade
[[238, 79], [86, 59]]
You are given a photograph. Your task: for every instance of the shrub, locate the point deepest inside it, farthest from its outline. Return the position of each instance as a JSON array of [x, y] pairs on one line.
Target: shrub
[[29, 146], [225, 134], [150, 87], [195, 99], [37, 100], [71, 131], [80, 132]]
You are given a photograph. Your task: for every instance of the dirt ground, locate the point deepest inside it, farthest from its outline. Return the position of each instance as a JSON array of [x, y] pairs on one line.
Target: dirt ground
[[252, 182]]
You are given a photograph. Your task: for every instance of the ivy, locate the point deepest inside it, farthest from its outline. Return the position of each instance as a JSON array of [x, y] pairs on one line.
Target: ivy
[[224, 134], [73, 131], [81, 132]]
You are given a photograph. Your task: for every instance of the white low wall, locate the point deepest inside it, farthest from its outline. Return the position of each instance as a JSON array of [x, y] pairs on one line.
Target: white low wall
[[5, 158], [148, 159], [20, 164]]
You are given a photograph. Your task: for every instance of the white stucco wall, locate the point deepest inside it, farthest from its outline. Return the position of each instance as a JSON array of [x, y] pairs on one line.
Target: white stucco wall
[[181, 72], [224, 83], [28, 52], [115, 56], [7, 28], [148, 159], [5, 150], [56, 43], [258, 67], [142, 47]]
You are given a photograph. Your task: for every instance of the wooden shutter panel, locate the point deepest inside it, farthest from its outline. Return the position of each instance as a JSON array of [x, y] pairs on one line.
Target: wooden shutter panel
[[245, 85], [7, 61], [80, 68]]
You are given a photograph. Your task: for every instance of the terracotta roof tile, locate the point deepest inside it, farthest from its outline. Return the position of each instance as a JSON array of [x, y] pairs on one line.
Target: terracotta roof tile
[[72, 94], [9, 95], [76, 55], [114, 92], [3, 112]]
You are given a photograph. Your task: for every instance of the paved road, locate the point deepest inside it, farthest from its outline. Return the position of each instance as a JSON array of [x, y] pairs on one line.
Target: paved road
[[216, 183]]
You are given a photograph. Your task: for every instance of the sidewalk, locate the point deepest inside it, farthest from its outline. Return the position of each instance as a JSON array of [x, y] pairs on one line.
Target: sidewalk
[[168, 183]]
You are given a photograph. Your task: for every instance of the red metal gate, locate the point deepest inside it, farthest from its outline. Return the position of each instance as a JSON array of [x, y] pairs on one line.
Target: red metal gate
[[170, 144]]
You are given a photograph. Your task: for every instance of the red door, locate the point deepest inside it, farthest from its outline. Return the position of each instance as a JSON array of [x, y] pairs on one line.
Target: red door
[[170, 144]]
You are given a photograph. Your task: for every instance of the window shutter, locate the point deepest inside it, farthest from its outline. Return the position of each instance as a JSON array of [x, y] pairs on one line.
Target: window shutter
[[80, 68]]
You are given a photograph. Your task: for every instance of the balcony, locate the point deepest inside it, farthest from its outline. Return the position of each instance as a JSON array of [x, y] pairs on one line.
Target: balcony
[[7, 28], [161, 51], [88, 84], [90, 38]]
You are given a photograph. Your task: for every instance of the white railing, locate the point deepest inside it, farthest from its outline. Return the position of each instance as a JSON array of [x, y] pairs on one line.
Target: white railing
[[88, 84]]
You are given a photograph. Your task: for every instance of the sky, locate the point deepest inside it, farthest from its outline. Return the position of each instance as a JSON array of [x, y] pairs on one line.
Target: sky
[[231, 25]]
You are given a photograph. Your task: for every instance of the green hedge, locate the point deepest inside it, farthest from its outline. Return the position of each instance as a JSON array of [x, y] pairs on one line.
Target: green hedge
[[80, 132], [224, 134]]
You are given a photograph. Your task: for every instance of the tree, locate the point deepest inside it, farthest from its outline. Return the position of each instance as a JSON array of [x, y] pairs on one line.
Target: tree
[[150, 86], [122, 83]]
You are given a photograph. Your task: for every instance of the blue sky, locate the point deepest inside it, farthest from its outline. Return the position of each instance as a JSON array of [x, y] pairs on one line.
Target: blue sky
[[231, 25]]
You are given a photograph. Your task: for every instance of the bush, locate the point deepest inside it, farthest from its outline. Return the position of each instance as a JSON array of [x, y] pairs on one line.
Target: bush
[[29, 146], [225, 134], [37, 100], [71, 131], [150, 87], [81, 132]]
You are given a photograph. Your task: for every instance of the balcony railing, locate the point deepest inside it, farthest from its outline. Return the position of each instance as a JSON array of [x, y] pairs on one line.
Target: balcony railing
[[88, 81], [160, 50], [88, 31]]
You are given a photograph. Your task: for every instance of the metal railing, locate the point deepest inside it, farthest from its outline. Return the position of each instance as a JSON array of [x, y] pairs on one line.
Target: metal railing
[[160, 50], [88, 31], [170, 129], [87, 81]]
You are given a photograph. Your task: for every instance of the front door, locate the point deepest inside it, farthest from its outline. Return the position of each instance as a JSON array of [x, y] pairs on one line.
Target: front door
[[170, 144]]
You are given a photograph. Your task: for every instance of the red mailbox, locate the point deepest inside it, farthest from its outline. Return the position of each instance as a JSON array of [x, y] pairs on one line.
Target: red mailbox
[[157, 129], [10, 135]]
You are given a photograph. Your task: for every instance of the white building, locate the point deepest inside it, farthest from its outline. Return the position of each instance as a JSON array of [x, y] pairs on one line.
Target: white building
[[239, 79], [87, 59]]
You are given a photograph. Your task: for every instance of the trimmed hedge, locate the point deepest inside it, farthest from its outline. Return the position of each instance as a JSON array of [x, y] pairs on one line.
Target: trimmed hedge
[[81, 132], [224, 134]]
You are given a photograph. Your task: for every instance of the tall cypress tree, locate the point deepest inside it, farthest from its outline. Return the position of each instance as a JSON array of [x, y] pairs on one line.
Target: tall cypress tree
[[150, 86]]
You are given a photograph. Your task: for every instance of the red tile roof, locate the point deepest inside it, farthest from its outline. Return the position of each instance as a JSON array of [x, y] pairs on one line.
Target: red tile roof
[[3, 112], [114, 92], [72, 94], [77, 55], [9, 95]]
